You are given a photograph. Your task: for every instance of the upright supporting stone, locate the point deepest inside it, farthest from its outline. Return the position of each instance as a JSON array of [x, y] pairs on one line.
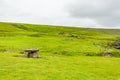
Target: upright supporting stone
[[32, 53]]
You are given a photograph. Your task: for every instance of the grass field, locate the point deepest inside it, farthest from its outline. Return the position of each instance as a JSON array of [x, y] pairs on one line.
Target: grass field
[[67, 53]]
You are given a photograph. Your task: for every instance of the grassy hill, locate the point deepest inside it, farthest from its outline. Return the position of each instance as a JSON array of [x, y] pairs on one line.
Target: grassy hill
[[14, 27], [59, 39], [68, 53], [57, 30]]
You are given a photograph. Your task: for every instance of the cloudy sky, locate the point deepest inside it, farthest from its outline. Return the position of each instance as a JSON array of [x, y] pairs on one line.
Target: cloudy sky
[[81, 13]]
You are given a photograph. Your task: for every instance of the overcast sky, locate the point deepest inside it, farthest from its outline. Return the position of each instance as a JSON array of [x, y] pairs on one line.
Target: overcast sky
[[81, 13]]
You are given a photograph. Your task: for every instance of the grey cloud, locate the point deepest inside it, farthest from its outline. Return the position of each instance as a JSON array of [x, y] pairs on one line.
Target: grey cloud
[[7, 9], [87, 13], [105, 12]]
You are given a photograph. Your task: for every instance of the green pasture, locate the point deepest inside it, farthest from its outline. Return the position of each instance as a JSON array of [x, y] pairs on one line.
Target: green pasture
[[67, 53]]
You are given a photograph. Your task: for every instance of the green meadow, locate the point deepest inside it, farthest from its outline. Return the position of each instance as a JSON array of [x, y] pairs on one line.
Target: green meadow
[[67, 53]]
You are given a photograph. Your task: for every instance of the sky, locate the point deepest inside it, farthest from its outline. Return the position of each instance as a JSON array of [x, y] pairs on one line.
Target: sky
[[79, 13]]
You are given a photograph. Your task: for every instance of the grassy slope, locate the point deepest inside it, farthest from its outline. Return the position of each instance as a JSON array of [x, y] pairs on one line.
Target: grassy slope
[[61, 53], [55, 39]]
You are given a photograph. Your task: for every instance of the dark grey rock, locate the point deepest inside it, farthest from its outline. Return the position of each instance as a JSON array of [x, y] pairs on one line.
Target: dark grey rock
[[117, 45]]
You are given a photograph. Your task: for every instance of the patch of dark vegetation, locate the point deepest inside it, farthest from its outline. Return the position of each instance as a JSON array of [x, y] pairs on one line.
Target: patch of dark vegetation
[[88, 54], [116, 54], [107, 49], [73, 36], [110, 54], [37, 35], [70, 35], [76, 36], [106, 54], [114, 44], [64, 52], [20, 26], [2, 49], [62, 33]]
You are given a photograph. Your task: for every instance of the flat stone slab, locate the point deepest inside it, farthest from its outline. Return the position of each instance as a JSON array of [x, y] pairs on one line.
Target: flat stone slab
[[29, 50]]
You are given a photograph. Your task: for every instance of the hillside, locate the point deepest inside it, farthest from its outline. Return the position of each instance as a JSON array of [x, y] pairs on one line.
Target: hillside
[[9, 29], [59, 34], [15, 27], [67, 53]]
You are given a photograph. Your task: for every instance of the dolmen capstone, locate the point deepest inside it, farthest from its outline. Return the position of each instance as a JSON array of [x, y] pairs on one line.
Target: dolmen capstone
[[31, 53]]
